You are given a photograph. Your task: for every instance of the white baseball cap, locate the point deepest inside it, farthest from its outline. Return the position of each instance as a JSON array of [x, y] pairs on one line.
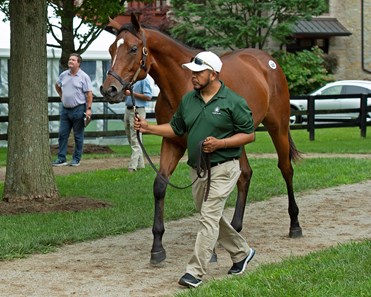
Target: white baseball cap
[[204, 60]]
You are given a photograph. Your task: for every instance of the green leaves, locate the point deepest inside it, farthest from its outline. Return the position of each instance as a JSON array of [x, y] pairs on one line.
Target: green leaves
[[305, 71], [237, 24]]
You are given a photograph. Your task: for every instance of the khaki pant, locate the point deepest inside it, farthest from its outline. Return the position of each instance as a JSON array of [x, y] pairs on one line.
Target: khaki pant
[[136, 160], [213, 225]]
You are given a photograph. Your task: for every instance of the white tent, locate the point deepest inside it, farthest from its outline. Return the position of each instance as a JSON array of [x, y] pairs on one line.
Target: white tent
[[96, 61], [97, 51]]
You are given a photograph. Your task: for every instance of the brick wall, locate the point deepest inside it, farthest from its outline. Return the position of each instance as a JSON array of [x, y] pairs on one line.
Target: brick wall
[[349, 48]]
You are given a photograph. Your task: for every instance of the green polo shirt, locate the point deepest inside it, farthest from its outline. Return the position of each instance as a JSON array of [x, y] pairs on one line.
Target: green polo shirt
[[224, 115]]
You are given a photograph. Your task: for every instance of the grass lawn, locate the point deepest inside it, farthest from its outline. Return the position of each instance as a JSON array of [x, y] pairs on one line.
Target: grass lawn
[[120, 189], [336, 140], [341, 271]]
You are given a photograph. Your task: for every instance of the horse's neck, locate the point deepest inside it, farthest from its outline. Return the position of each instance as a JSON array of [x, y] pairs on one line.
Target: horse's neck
[[168, 56]]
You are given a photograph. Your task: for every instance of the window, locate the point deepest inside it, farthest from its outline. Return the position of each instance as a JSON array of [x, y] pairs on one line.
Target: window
[[332, 90], [355, 90]]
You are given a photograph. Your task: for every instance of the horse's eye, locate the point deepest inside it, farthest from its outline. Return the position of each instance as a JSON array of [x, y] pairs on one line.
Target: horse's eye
[[134, 49]]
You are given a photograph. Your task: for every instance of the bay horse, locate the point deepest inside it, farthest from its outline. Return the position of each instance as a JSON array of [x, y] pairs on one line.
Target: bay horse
[[251, 73]]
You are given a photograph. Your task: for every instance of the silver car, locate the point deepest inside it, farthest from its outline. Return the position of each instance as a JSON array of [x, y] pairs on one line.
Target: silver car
[[335, 88]]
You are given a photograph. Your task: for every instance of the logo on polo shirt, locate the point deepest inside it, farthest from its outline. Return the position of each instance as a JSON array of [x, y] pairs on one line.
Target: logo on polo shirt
[[217, 111]]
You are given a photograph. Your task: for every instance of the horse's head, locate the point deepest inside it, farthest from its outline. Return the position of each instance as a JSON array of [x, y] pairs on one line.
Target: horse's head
[[129, 60]]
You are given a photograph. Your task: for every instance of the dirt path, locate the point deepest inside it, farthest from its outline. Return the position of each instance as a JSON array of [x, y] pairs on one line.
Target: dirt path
[[119, 266]]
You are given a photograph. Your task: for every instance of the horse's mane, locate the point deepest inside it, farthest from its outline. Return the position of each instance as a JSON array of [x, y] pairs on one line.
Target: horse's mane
[[131, 28], [128, 27]]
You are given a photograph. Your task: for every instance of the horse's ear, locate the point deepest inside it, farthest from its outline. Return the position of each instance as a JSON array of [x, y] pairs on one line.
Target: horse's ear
[[114, 25], [135, 22]]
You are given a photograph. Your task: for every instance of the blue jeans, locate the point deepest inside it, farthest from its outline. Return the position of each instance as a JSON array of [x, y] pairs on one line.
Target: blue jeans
[[71, 118]]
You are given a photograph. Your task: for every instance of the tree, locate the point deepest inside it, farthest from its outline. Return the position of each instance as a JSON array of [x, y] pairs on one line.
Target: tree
[[29, 174], [93, 13], [237, 24]]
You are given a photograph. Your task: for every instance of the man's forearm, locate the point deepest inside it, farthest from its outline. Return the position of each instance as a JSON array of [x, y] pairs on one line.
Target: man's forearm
[[164, 130], [89, 100], [238, 139]]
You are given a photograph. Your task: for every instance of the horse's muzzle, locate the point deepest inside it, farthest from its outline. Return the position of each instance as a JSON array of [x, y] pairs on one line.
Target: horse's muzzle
[[112, 95]]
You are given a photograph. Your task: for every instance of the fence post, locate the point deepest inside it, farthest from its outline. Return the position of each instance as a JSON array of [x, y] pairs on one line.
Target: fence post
[[363, 115], [310, 117], [105, 111]]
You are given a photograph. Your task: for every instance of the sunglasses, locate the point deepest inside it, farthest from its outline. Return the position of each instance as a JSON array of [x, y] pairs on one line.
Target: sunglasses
[[200, 62]]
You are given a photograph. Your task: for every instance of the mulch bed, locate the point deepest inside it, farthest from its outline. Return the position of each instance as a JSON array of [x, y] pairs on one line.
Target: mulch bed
[[63, 204], [57, 205]]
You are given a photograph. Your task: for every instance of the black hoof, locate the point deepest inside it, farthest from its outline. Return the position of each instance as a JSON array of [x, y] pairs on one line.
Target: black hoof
[[157, 257], [214, 258], [295, 232]]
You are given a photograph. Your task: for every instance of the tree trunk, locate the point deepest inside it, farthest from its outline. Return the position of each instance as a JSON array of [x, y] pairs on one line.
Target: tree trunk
[[67, 44], [29, 174]]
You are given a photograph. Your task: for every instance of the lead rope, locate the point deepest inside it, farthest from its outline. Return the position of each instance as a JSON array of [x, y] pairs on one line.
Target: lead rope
[[203, 164]]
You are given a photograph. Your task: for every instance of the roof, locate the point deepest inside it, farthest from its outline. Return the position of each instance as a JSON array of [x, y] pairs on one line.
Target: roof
[[320, 27]]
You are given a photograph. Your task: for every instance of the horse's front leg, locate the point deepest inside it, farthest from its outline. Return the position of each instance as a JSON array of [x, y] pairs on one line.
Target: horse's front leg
[[158, 253], [243, 185], [171, 153]]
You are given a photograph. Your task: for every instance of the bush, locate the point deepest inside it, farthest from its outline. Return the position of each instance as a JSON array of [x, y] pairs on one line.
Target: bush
[[305, 71], [330, 63]]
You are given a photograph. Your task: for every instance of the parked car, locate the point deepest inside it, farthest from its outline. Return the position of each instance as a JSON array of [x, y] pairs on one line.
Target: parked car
[[334, 88]]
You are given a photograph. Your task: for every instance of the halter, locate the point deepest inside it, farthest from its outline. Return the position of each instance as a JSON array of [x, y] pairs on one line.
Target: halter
[[203, 166], [142, 66]]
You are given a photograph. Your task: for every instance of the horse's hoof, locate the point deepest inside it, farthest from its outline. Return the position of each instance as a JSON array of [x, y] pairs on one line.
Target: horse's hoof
[[295, 232], [214, 258], [157, 257]]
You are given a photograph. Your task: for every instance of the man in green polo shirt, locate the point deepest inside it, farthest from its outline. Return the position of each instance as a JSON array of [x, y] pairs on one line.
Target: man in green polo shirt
[[215, 116]]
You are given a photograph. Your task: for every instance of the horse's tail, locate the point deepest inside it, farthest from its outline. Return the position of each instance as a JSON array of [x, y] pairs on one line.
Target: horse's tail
[[295, 154]]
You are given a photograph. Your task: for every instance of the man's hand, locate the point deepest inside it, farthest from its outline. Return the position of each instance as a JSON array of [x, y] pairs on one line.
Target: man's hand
[[88, 113], [127, 93], [212, 144], [87, 119], [140, 124]]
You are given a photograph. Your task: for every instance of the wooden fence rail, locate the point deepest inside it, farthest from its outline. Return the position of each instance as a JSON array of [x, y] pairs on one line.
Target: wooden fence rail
[[310, 125]]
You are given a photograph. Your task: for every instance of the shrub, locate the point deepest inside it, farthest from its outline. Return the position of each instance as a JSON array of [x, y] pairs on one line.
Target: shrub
[[305, 71]]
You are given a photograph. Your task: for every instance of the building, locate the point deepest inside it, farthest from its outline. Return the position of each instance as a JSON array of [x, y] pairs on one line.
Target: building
[[344, 32], [153, 13], [354, 51]]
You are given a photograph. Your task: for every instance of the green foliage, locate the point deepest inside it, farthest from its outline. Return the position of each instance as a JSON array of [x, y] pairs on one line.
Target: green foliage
[[305, 71], [4, 7], [331, 62], [97, 11], [237, 24]]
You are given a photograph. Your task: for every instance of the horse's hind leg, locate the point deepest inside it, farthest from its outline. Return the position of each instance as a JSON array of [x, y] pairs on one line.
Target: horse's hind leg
[[243, 185], [285, 149]]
